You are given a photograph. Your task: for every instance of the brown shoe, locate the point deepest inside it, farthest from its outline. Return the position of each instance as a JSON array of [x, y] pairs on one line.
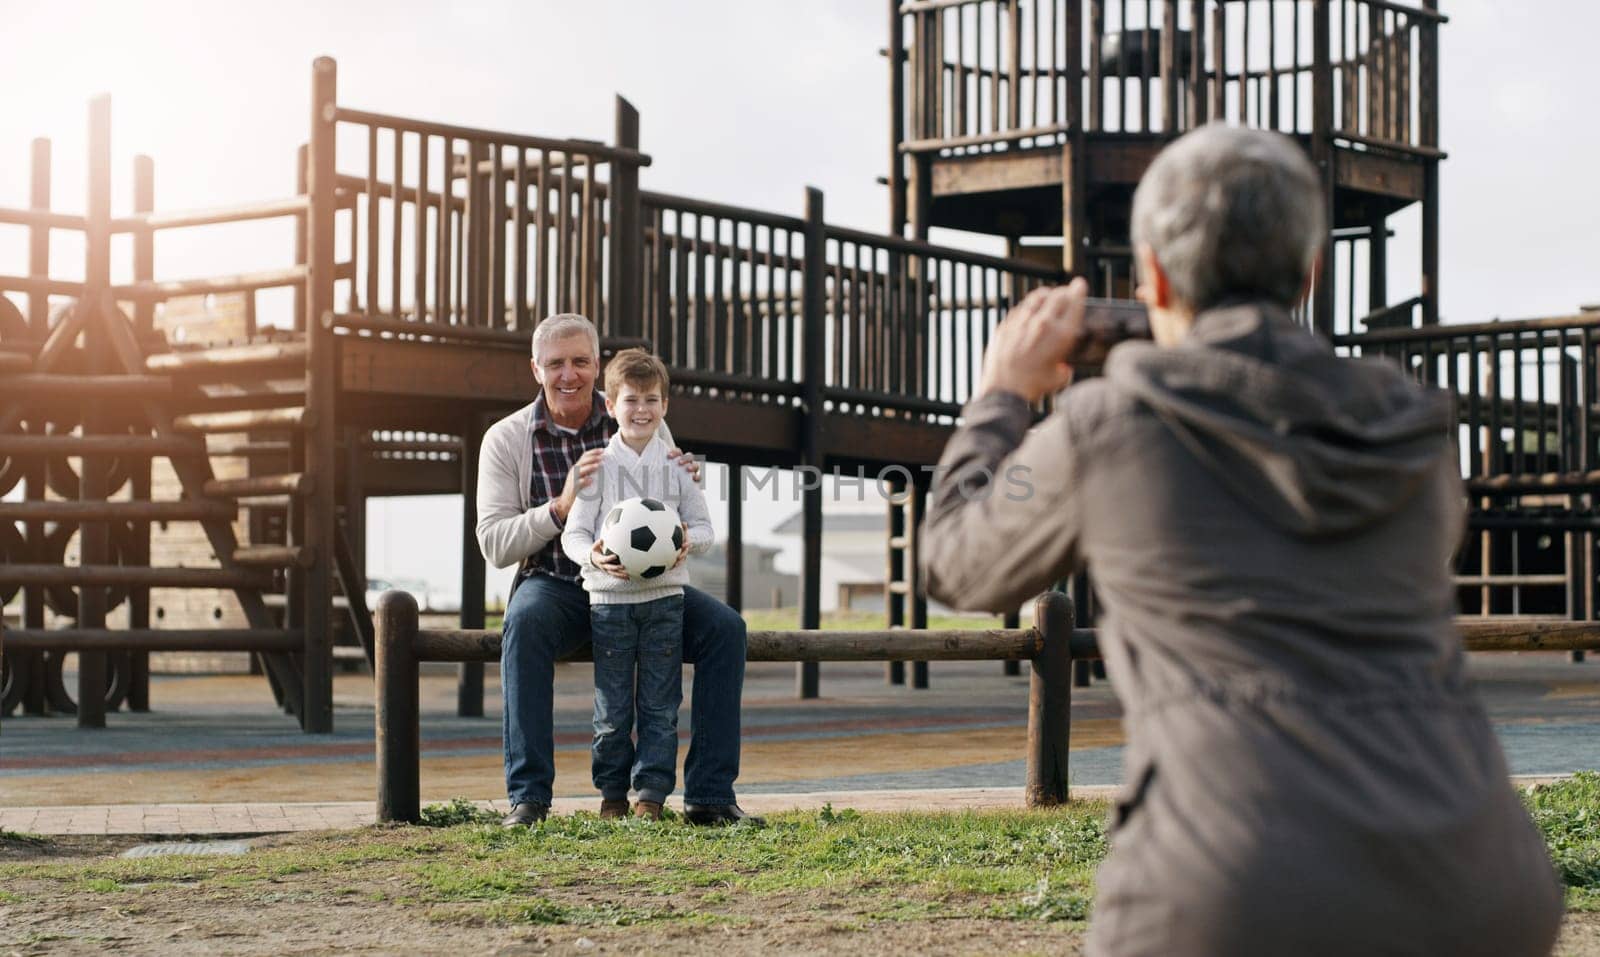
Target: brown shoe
[[648, 810], [613, 810]]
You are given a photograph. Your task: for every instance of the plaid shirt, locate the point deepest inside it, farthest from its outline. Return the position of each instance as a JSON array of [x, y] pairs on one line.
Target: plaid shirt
[[555, 451]]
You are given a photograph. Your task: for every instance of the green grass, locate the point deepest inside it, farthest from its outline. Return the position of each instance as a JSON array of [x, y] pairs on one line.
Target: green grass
[[1028, 866], [1568, 815]]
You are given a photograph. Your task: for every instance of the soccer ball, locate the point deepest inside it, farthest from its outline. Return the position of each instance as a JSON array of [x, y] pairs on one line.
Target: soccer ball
[[645, 534]]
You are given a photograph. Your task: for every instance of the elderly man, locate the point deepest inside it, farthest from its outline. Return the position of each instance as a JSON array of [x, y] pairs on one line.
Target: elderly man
[[1270, 530], [532, 465]]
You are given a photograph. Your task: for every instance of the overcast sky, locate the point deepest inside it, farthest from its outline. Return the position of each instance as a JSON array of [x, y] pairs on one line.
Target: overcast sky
[[742, 102]]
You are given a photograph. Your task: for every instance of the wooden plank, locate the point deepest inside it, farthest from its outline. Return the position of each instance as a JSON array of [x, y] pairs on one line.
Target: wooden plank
[[996, 172], [901, 644], [434, 369], [1375, 173], [100, 576], [1121, 160], [151, 639]]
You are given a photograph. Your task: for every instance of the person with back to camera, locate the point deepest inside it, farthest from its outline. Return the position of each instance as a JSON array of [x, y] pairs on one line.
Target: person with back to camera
[[1270, 529], [637, 626]]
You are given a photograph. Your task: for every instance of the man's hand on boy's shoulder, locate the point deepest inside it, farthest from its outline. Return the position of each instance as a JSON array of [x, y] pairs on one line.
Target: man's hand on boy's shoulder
[[686, 461]]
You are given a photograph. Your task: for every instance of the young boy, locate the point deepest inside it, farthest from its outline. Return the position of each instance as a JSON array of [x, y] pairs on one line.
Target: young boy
[[635, 624]]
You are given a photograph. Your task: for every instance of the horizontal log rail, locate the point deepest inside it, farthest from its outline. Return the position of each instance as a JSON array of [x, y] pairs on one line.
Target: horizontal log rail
[[275, 556], [242, 282], [889, 400], [241, 213], [1553, 482], [1498, 327], [45, 510], [228, 358], [913, 247], [46, 385], [699, 207], [41, 285], [935, 144], [15, 363], [1399, 146], [42, 217], [593, 148], [256, 486], [122, 445], [1051, 644], [244, 420], [96, 575], [152, 639]]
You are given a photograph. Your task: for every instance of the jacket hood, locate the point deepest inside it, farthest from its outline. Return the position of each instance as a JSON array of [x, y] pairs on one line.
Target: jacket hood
[[1320, 445]]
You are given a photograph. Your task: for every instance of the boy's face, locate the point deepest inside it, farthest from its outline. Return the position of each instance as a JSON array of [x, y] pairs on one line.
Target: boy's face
[[638, 411]]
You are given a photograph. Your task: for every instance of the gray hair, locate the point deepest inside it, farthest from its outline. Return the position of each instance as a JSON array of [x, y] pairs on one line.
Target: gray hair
[[1231, 213], [562, 325]]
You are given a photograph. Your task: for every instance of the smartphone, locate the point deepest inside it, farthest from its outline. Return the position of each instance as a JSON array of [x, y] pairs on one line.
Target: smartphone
[[1109, 321]]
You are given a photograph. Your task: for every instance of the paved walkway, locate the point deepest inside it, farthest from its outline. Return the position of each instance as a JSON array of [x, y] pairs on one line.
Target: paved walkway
[[216, 757]]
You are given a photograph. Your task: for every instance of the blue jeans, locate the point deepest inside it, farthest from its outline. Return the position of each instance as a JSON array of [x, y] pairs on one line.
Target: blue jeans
[[548, 619], [647, 636]]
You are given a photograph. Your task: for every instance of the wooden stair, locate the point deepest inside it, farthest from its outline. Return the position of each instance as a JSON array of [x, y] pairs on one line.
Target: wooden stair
[[124, 376]]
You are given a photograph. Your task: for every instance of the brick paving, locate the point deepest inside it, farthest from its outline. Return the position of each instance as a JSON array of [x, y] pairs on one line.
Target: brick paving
[[212, 741]]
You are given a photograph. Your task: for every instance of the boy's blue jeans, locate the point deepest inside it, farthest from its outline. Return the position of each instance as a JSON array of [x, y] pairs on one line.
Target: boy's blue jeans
[[548, 619], [646, 638]]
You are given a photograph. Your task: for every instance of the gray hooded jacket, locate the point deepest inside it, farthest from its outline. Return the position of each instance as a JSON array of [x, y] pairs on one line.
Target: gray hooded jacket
[[1269, 528]]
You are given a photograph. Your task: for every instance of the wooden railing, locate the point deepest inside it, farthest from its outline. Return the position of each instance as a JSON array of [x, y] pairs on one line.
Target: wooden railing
[[1528, 429], [899, 324], [975, 75], [487, 231]]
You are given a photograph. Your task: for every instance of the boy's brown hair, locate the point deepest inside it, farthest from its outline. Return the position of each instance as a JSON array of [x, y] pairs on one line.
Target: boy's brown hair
[[637, 368]]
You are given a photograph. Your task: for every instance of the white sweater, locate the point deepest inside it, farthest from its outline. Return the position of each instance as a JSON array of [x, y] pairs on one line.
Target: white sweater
[[625, 474]]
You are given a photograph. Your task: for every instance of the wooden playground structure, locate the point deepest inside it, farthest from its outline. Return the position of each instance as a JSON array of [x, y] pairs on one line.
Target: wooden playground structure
[[425, 252]]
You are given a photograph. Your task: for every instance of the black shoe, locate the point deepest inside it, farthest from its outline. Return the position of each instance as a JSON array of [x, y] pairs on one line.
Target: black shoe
[[525, 814], [712, 814]]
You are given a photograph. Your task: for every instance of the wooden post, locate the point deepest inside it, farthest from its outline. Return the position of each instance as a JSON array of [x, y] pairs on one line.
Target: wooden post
[[1169, 67], [94, 538], [807, 673], [321, 387], [1377, 263], [144, 264], [1012, 668], [894, 601], [1322, 157], [29, 666], [1073, 218], [476, 232], [301, 227], [1050, 703], [399, 738], [919, 594], [469, 674], [1428, 71], [897, 120], [626, 306], [733, 590], [1197, 63]]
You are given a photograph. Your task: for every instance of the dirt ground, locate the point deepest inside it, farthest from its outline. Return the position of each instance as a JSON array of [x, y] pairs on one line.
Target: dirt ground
[[365, 911]]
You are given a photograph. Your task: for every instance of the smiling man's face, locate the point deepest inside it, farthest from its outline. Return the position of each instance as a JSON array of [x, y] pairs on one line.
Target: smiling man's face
[[566, 369]]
